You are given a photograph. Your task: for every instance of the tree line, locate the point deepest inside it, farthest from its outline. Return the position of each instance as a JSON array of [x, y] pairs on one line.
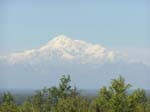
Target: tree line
[[64, 98]]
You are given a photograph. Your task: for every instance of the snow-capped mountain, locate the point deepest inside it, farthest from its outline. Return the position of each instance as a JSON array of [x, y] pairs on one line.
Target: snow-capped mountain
[[66, 49], [85, 62]]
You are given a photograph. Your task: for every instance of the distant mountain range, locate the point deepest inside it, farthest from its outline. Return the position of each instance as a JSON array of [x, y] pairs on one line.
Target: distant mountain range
[[90, 66]]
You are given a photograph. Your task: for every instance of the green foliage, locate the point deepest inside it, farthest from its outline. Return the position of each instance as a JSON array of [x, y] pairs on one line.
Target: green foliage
[[116, 99], [8, 103], [27, 107], [64, 98], [7, 98], [9, 107], [71, 104]]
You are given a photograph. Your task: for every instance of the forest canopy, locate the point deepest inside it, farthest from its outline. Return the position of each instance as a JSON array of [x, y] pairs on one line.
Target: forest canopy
[[65, 98]]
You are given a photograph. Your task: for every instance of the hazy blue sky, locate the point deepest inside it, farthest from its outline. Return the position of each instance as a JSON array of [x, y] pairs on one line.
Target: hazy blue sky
[[26, 24], [122, 25]]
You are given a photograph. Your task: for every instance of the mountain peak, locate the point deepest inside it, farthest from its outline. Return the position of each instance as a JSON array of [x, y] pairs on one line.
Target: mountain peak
[[60, 38], [65, 48]]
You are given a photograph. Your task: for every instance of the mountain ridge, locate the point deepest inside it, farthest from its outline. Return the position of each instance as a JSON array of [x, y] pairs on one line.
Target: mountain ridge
[[68, 49], [87, 63]]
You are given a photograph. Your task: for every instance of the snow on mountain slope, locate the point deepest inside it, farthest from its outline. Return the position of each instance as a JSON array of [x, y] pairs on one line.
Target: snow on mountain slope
[[66, 49], [90, 66]]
